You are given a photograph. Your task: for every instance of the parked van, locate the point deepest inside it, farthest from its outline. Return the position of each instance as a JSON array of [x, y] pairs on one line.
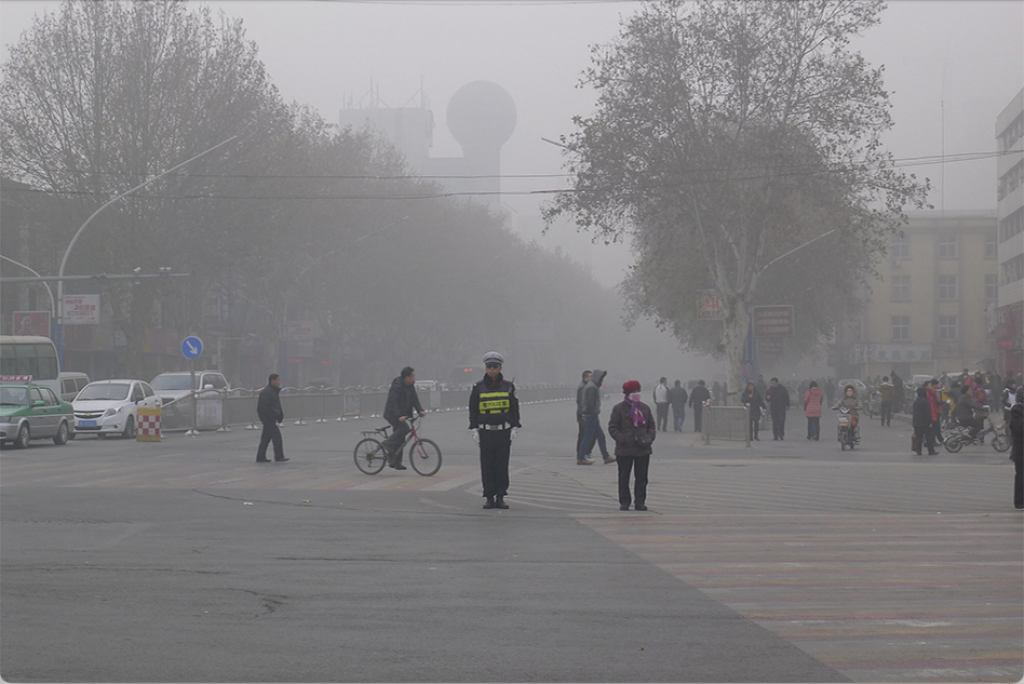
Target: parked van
[[71, 384]]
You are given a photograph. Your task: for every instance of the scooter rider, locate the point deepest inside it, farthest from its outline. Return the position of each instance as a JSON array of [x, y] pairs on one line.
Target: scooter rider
[[965, 416], [852, 402]]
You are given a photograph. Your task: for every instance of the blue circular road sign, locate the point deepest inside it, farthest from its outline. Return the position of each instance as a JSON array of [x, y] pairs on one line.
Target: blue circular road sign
[[192, 347]]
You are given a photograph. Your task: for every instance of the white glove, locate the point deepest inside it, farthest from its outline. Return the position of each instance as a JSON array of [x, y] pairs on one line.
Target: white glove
[[475, 434], [512, 436]]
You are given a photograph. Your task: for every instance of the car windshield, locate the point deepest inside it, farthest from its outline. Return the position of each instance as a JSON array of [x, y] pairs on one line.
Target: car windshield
[[171, 382], [13, 396], [112, 391]]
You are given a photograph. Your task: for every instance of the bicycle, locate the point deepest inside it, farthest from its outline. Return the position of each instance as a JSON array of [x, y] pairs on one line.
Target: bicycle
[[371, 456]]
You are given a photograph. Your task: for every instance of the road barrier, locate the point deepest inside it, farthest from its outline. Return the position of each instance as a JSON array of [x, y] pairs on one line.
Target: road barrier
[[730, 423], [219, 409], [147, 427]]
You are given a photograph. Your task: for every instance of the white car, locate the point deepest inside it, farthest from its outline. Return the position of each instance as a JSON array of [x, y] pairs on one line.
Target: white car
[[109, 407]]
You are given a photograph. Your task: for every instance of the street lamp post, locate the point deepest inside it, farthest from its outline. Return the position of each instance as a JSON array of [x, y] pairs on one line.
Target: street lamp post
[[74, 239], [49, 290]]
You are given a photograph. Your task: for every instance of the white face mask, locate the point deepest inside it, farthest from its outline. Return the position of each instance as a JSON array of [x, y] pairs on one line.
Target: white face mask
[[634, 397]]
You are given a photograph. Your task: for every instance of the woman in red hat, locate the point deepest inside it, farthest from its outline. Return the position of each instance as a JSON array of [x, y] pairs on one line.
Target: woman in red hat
[[633, 428]]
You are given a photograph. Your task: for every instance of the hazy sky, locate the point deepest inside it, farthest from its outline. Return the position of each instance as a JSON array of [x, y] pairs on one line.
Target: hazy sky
[[963, 59]]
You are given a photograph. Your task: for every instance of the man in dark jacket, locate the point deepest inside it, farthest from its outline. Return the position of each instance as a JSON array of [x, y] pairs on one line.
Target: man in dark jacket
[[922, 422], [270, 413], [778, 403], [402, 401], [677, 396], [591, 411], [965, 408], [580, 423], [494, 420], [1017, 448], [698, 396]]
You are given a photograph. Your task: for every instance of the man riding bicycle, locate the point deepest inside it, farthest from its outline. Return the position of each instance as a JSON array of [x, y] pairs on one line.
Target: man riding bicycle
[[966, 407], [402, 401]]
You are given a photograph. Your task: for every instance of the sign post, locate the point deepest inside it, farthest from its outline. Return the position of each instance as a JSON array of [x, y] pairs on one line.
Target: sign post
[[192, 348]]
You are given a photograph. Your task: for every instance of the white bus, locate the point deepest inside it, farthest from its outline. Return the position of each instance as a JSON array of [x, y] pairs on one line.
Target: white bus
[[29, 358]]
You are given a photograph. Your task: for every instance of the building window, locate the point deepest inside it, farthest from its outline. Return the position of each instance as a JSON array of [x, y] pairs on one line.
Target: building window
[[948, 288], [901, 288], [991, 287], [1012, 270], [947, 328], [945, 246], [900, 247], [991, 244], [901, 328], [1012, 225]]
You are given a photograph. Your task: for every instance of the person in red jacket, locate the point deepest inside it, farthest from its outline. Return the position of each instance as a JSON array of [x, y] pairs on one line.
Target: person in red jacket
[[935, 402], [813, 398]]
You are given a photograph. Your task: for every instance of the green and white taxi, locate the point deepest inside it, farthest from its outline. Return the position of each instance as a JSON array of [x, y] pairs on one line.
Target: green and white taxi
[[29, 411]]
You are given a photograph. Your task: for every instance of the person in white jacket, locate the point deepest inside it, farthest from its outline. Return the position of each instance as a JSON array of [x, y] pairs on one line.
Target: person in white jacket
[[661, 403]]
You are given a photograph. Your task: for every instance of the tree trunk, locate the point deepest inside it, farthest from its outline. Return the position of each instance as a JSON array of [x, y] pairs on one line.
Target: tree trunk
[[734, 339]]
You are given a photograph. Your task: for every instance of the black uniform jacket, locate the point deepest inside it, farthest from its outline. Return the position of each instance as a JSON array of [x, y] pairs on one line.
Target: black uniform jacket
[[500, 396]]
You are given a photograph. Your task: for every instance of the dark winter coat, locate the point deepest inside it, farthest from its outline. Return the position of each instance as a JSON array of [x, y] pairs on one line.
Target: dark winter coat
[[922, 411], [268, 407], [965, 407], [753, 397], [698, 396], [677, 396], [622, 430], [592, 394], [402, 401], [778, 399], [1017, 433]]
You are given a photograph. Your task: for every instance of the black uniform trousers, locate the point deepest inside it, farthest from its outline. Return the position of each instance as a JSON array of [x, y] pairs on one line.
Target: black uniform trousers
[[640, 465], [495, 446], [271, 433]]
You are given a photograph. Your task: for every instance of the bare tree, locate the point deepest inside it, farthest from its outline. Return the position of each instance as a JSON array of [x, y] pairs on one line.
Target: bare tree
[[726, 135]]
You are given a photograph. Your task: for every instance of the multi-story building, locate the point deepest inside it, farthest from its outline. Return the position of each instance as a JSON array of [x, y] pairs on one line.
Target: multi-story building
[[931, 310], [1008, 324]]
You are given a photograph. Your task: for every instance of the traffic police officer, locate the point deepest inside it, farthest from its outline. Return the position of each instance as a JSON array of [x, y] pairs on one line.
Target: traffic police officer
[[494, 418]]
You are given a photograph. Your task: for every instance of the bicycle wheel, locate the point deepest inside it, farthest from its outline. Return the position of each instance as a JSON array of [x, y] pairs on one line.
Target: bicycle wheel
[[425, 457], [953, 444], [370, 456], [1000, 443]]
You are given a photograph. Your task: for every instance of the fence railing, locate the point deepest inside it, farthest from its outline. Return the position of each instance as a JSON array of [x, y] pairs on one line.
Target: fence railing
[[730, 423], [221, 409]]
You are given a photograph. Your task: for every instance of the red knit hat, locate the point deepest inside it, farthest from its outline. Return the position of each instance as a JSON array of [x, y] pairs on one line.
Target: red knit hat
[[630, 386]]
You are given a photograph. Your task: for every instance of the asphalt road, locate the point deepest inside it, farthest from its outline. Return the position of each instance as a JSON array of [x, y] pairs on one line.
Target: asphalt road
[[185, 561]]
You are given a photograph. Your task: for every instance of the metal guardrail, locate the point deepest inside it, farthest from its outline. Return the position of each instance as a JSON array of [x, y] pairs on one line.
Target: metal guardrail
[[221, 409], [730, 423]]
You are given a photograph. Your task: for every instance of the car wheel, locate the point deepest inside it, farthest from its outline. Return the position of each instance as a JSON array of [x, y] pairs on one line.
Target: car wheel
[[24, 435], [61, 437], [129, 429]]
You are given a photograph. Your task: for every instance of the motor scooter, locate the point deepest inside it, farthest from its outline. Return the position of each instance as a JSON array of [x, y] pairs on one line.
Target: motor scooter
[[959, 437], [848, 433]]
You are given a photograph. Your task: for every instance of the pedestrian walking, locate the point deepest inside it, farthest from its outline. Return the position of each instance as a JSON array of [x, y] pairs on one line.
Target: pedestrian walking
[[1017, 448], [698, 396], [921, 420], [677, 397], [591, 414], [887, 392], [661, 403], [938, 406], [778, 401], [751, 398], [401, 403], [898, 388], [494, 421], [830, 390], [813, 399], [1008, 398], [580, 423], [632, 427], [270, 413]]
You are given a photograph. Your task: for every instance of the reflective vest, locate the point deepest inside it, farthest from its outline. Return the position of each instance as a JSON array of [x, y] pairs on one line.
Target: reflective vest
[[497, 402]]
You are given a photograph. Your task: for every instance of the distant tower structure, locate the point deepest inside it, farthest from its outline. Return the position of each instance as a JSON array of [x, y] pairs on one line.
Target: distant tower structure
[[481, 116]]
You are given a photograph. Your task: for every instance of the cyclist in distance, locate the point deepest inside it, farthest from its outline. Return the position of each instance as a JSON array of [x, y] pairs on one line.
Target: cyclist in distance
[[402, 401]]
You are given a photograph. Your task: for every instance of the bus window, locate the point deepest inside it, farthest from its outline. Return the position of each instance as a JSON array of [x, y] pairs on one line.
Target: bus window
[[23, 356]]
